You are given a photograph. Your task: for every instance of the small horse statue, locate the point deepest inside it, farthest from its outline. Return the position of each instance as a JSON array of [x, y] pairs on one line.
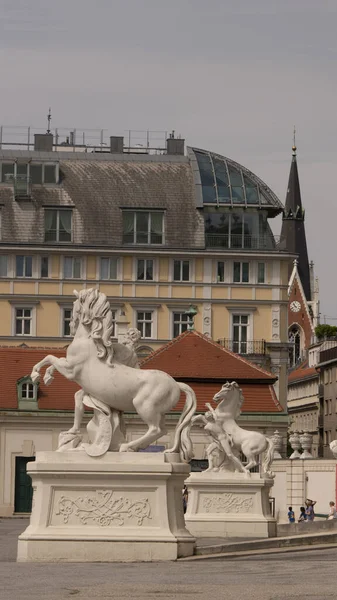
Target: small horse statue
[[228, 437], [111, 387]]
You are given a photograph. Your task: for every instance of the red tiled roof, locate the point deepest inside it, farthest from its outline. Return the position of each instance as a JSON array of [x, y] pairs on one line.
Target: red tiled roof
[[258, 397], [194, 355], [302, 372], [16, 363]]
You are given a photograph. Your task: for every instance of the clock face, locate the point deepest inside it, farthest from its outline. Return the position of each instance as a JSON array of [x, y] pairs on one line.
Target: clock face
[[295, 306]]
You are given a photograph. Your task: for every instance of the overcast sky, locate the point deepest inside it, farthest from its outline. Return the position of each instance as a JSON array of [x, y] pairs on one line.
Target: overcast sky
[[232, 76]]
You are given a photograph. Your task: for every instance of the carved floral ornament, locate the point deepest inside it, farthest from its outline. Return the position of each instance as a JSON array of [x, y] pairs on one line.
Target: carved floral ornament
[[227, 503], [103, 508]]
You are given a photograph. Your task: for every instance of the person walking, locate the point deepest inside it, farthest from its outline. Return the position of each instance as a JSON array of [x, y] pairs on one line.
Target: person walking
[[185, 498], [303, 516], [291, 515], [309, 511], [332, 511]]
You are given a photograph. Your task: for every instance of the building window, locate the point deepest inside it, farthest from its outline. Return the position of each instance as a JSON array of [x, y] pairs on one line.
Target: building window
[[145, 269], [181, 270], [28, 391], [67, 313], [3, 265], [180, 323], [24, 266], [38, 173], [240, 333], [58, 225], [145, 323], [240, 272], [295, 349], [23, 321], [44, 266], [108, 268], [221, 272], [113, 332], [261, 272], [72, 267], [7, 172], [143, 227]]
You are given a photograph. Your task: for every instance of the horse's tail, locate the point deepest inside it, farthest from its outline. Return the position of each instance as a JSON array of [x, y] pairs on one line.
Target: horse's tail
[[268, 459], [182, 435]]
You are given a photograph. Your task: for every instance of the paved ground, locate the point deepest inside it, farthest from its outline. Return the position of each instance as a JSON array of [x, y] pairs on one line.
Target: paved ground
[[305, 575]]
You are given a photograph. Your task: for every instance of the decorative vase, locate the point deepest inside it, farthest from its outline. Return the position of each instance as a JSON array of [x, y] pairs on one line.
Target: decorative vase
[[294, 440], [306, 440], [277, 441]]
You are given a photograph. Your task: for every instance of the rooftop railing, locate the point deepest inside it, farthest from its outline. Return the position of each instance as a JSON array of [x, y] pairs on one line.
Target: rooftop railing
[[246, 242], [248, 347], [82, 140]]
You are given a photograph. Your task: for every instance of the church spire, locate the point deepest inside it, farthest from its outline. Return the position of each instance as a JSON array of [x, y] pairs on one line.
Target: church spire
[[293, 230]]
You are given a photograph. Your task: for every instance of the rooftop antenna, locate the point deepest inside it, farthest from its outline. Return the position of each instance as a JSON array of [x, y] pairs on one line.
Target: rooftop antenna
[[294, 142], [49, 120]]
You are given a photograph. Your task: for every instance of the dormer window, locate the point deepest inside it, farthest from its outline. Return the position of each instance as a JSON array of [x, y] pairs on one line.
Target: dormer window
[[143, 227], [27, 394], [24, 173]]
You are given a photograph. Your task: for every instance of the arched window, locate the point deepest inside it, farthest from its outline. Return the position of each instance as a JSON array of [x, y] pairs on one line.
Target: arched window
[[295, 349]]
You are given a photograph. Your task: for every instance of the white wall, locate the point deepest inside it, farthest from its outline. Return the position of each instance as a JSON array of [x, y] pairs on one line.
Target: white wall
[[297, 480]]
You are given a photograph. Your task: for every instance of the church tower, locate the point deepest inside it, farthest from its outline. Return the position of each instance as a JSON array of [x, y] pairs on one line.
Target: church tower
[[303, 307], [293, 230]]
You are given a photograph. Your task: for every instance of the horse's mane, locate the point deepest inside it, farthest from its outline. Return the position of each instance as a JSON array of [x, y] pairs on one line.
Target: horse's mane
[[96, 313]]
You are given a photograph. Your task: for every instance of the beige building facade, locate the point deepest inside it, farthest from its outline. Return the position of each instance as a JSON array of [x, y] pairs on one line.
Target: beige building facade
[[157, 233]]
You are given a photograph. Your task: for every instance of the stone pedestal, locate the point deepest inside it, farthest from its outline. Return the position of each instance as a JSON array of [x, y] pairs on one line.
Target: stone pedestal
[[118, 507], [229, 504]]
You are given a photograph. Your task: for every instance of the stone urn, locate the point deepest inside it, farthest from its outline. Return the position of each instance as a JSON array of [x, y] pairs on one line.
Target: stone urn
[[306, 440], [294, 440], [333, 448], [277, 441]]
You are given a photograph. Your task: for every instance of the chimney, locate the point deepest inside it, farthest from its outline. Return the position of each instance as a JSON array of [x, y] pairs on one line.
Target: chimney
[[175, 145], [116, 144], [43, 142]]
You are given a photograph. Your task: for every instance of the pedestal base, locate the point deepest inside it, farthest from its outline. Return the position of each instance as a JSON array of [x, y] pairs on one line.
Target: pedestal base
[[229, 504], [119, 507]]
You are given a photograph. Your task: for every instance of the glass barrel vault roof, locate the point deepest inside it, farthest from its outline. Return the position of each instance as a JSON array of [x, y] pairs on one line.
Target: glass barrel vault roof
[[226, 182]]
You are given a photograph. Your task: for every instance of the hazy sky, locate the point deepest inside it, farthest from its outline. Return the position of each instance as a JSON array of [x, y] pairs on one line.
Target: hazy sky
[[232, 76]]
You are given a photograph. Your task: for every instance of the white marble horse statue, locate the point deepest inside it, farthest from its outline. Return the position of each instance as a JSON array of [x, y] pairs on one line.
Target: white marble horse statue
[[110, 386], [228, 439]]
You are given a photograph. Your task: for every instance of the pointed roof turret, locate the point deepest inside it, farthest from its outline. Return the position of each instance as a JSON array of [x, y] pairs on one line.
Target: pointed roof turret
[[293, 230]]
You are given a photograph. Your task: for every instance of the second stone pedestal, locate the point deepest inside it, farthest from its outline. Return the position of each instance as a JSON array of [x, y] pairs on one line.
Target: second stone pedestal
[[229, 505]]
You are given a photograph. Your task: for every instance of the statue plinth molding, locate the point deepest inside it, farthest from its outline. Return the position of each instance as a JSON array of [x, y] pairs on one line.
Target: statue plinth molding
[[222, 504], [120, 507]]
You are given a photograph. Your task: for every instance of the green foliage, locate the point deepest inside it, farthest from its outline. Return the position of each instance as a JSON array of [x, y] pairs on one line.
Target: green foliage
[[325, 331]]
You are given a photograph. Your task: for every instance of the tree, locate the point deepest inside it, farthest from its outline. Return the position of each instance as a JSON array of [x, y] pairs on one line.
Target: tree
[[325, 331]]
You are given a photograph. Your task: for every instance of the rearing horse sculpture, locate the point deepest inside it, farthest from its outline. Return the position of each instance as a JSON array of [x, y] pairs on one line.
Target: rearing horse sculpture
[[228, 437], [108, 384]]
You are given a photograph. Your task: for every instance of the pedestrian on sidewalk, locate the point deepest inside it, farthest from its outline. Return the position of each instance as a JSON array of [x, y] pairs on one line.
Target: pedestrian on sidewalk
[[332, 511], [185, 498], [309, 511], [291, 515], [303, 516]]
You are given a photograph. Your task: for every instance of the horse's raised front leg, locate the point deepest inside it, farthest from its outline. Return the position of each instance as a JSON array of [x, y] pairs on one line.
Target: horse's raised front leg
[[60, 364]]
